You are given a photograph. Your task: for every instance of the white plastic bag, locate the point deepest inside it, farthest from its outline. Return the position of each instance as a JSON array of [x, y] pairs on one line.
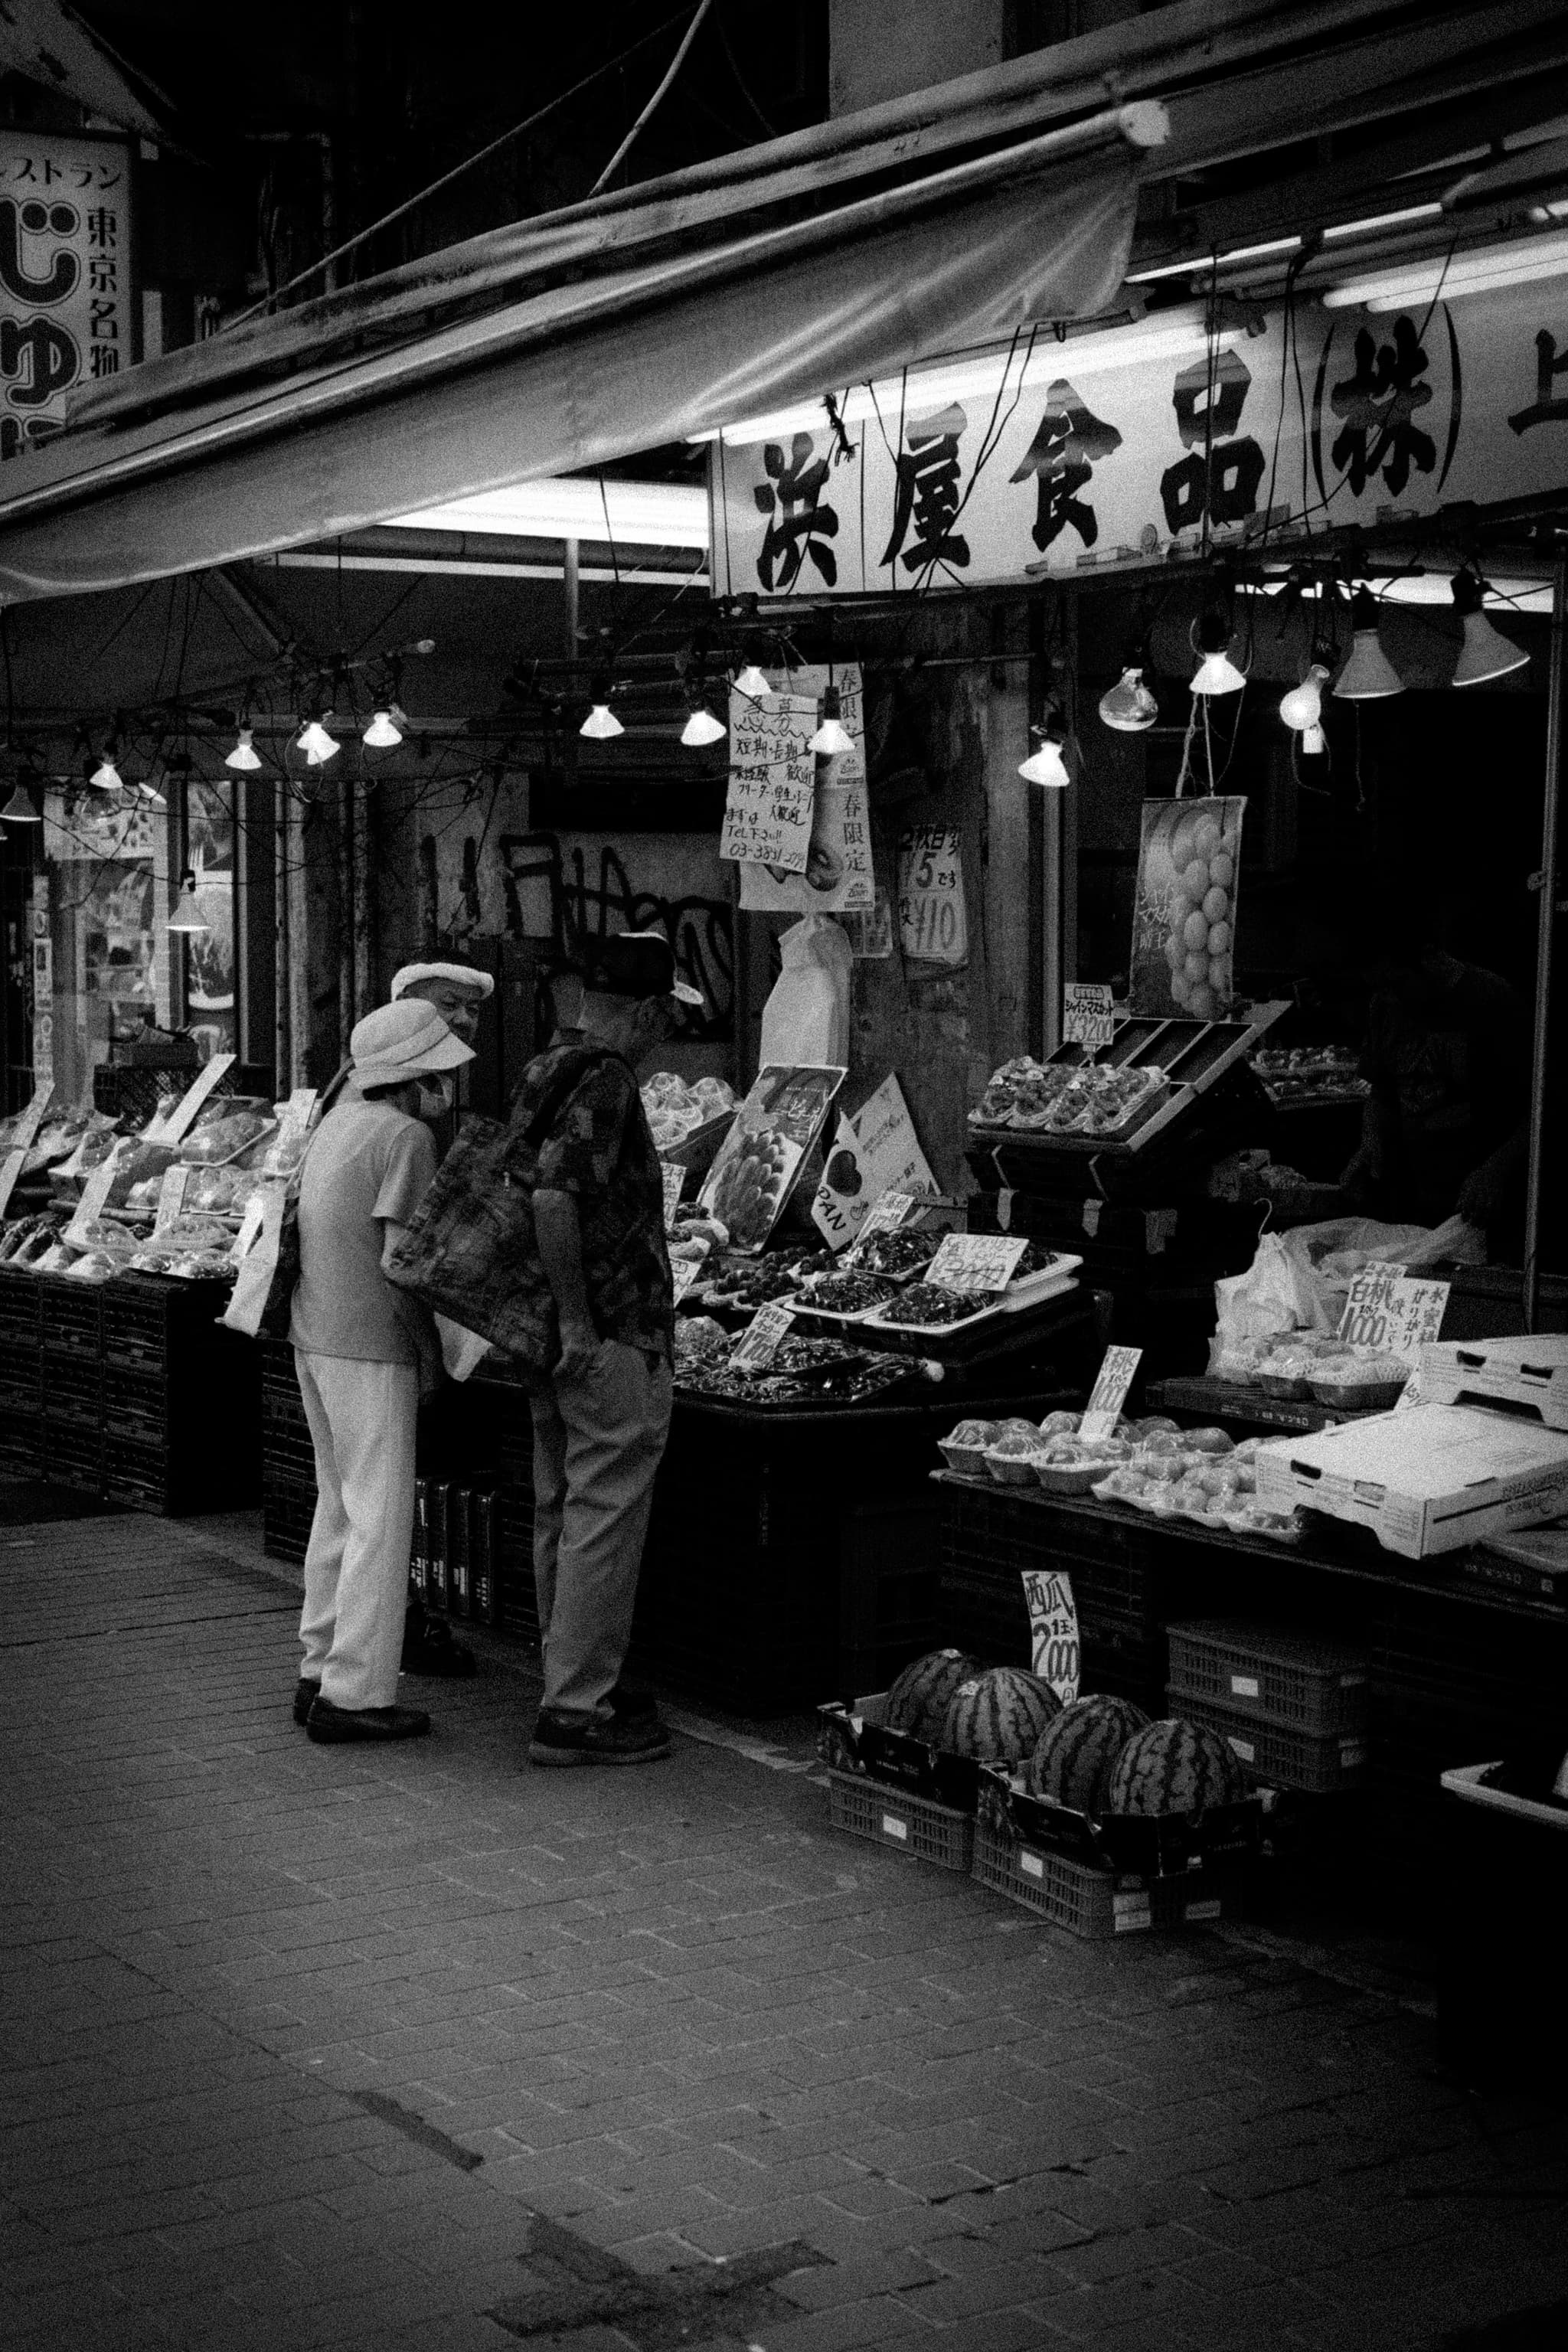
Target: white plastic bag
[[461, 1349]]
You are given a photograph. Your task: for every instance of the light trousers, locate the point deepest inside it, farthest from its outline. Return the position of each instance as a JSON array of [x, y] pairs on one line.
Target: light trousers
[[362, 1419], [597, 1444]]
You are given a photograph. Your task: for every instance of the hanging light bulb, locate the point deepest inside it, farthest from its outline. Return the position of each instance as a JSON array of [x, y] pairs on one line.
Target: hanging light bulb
[[1129, 706], [702, 727], [383, 734], [243, 756], [1216, 673], [1045, 764], [317, 746], [106, 776], [752, 683], [148, 796], [1368, 676], [19, 809], [1485, 652], [832, 736], [187, 916], [601, 723], [1302, 708]]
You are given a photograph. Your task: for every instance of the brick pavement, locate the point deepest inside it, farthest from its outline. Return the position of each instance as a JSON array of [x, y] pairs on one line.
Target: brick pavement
[[310, 2046]]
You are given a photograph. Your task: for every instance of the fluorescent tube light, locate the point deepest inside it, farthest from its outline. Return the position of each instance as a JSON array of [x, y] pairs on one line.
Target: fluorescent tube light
[[643, 514], [1476, 272]]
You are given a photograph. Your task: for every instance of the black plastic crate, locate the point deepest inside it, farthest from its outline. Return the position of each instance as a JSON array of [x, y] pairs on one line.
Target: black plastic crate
[[135, 1406], [1300, 1681], [992, 1534], [286, 1514], [21, 1441], [71, 1315], [71, 1455], [19, 1307], [71, 1389]]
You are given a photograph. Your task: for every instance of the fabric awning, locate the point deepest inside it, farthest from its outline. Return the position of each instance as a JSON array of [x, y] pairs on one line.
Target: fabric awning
[[218, 454]]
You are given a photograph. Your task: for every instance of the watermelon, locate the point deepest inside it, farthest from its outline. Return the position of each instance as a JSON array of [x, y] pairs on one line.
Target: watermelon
[[1175, 1767], [917, 1703], [1078, 1752], [998, 1716]]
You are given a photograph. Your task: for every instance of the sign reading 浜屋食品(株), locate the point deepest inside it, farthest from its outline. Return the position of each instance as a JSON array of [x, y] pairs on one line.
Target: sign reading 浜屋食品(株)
[[65, 306], [1115, 446], [772, 797], [932, 927]]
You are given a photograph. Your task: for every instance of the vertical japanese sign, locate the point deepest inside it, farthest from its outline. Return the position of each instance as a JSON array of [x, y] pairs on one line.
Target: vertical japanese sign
[[931, 924], [66, 312], [836, 877], [768, 812]]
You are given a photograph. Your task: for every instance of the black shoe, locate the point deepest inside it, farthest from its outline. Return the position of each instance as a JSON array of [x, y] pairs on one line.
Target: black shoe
[[631, 1705], [641, 1740], [304, 1693], [327, 1723], [429, 1649]]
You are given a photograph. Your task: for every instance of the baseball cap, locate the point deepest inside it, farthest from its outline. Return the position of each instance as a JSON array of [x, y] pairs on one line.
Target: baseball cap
[[404, 1041], [634, 963]]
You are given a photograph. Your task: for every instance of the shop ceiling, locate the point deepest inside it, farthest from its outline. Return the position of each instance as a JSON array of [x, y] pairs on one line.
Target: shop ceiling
[[856, 248]]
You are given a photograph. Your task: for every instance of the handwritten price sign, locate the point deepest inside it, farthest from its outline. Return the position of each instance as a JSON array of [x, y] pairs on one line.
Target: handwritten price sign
[[976, 1261], [1110, 1392], [932, 923], [758, 1344], [772, 797], [1395, 1313], [1053, 1625]]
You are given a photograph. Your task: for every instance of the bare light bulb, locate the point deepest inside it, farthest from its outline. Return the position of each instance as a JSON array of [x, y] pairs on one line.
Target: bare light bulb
[[601, 723], [702, 727], [106, 776], [19, 809], [1368, 676], [187, 916], [383, 734], [1485, 652], [243, 756], [1045, 764], [317, 746], [1129, 706], [752, 683], [831, 738], [1302, 707]]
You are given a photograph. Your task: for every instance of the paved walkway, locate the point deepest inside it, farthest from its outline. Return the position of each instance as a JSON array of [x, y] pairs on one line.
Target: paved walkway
[[415, 2048]]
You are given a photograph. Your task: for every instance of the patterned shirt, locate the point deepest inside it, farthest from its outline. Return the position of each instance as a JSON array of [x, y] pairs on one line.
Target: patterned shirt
[[598, 1148]]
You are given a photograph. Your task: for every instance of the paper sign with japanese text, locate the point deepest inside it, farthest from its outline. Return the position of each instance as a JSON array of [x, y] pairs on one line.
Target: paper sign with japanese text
[[758, 1344], [836, 878], [876, 1149], [67, 312], [24, 1135], [772, 797], [933, 926], [1393, 1312], [674, 1177], [685, 1271], [1109, 1395], [171, 1196], [973, 1262], [887, 1213], [1053, 1628], [1087, 1017]]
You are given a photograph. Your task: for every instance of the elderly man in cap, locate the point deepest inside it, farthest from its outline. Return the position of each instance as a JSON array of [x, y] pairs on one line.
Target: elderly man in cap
[[359, 1348], [601, 1421], [456, 990]]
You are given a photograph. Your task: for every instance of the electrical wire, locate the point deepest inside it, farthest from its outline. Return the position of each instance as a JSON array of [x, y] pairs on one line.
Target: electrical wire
[[651, 108]]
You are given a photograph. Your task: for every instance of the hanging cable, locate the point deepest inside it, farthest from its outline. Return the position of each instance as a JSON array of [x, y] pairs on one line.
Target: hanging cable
[[625, 149]]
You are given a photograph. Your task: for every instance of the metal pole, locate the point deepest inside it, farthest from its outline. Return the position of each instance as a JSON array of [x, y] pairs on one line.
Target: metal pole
[[364, 918], [282, 1065], [345, 915], [1546, 920], [569, 587]]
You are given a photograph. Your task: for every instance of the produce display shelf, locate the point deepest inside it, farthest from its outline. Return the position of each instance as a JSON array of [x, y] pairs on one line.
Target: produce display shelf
[[1278, 1755], [1299, 1681], [898, 1818], [1237, 1403], [1094, 1903]]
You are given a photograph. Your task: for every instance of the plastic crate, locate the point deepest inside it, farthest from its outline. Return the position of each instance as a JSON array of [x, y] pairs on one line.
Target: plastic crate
[[71, 1389], [909, 1824], [1094, 1903], [1293, 1679], [19, 1309], [21, 1444], [1277, 1753], [71, 1455], [72, 1316]]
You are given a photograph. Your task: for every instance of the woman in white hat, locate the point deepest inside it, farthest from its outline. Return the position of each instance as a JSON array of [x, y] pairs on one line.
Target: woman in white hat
[[359, 1344]]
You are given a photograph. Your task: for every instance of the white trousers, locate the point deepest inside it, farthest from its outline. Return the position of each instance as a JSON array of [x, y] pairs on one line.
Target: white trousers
[[362, 1420]]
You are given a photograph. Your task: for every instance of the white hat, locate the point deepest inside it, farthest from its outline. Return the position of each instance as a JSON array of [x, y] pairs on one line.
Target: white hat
[[459, 975], [399, 1043]]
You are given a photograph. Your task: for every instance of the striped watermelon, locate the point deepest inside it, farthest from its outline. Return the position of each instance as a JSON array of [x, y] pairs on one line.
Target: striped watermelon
[[917, 1703], [1175, 1767], [998, 1716], [1078, 1752]]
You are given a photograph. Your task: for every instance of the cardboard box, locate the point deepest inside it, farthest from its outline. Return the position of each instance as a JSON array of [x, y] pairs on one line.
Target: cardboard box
[[1430, 1480], [1528, 1375]]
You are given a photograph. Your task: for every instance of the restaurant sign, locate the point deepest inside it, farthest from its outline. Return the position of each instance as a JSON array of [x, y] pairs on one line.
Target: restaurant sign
[[1111, 458], [64, 276]]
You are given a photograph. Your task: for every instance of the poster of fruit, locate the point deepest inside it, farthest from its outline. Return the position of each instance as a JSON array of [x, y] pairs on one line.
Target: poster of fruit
[[1183, 916], [760, 1158]]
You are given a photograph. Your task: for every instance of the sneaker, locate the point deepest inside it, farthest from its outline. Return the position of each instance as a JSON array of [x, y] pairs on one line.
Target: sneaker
[[328, 1724], [638, 1739], [305, 1695]]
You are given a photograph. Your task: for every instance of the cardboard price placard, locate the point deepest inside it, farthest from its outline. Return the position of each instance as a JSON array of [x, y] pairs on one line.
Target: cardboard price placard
[[1053, 1625], [674, 1183], [977, 1261], [24, 1135], [1110, 1392], [887, 1213], [773, 773], [1087, 1017], [875, 1151], [685, 1271], [933, 926], [1394, 1313], [179, 1119], [94, 1194], [171, 1196], [758, 1344]]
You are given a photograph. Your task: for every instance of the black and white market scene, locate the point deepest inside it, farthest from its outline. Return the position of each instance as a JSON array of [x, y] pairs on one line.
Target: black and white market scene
[[783, 1103]]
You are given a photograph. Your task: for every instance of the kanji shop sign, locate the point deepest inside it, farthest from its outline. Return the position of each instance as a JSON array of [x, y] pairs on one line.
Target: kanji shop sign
[[64, 275], [1075, 465]]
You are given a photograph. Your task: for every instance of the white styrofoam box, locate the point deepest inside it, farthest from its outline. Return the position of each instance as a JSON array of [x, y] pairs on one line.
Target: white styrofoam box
[[1430, 1480], [1531, 1375]]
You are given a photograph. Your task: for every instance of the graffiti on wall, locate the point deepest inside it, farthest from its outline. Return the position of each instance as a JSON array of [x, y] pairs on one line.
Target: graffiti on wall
[[573, 895]]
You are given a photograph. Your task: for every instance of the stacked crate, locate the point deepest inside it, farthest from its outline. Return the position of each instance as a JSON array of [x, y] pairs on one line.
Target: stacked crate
[[20, 1416], [1291, 1705], [287, 1455], [179, 1397]]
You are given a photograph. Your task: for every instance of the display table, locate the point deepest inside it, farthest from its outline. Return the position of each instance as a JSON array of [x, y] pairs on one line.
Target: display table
[[1457, 1669]]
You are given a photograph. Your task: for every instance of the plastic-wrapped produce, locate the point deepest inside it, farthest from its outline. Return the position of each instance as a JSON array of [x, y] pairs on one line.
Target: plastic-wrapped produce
[[1184, 917]]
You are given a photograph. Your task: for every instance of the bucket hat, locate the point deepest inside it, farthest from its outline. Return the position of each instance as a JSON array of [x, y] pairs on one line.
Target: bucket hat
[[405, 1041]]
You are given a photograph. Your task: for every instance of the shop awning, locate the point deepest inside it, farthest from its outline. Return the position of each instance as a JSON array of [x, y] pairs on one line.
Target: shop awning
[[619, 327]]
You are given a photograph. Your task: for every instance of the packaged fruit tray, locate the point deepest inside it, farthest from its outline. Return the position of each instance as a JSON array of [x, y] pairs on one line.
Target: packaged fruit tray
[[1174, 1059]]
